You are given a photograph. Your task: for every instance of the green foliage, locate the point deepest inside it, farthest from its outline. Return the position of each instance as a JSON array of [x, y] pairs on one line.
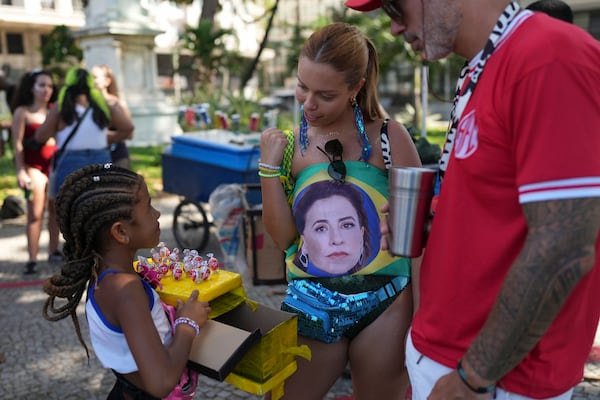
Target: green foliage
[[430, 147], [61, 51], [8, 178], [147, 162], [208, 47]]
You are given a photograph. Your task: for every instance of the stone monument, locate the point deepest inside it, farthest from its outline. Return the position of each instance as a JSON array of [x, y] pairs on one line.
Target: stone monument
[[119, 33]]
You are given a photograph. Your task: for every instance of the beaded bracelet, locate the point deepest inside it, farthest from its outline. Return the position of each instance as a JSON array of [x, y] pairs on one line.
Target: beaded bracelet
[[269, 175], [268, 166], [268, 170], [463, 377], [187, 321]]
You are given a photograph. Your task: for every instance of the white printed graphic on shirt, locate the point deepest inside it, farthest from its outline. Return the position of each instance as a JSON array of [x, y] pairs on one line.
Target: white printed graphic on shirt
[[466, 140]]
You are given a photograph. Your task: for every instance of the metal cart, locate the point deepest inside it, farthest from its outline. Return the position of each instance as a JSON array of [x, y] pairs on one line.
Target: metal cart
[[194, 165]]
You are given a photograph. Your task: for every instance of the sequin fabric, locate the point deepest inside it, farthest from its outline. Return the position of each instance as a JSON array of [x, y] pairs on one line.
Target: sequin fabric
[[327, 315]]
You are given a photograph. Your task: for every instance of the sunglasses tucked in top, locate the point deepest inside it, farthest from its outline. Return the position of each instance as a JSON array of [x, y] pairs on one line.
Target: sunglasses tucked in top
[[337, 168]]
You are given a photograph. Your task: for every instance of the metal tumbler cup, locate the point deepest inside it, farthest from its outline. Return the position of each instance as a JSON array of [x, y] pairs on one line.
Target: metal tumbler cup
[[410, 194]]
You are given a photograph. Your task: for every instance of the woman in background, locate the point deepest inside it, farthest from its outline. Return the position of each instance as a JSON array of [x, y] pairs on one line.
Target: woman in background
[[32, 161], [104, 80], [80, 123]]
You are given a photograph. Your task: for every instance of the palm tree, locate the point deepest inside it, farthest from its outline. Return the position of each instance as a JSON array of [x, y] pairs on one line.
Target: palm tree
[[208, 47]]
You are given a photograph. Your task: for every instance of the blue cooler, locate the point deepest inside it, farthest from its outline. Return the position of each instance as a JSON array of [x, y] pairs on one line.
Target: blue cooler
[[197, 162]]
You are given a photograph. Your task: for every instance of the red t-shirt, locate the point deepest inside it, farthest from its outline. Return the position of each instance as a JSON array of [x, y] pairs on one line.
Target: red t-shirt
[[530, 132]]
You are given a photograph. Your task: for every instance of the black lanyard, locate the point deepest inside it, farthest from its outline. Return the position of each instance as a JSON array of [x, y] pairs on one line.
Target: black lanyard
[[469, 78]]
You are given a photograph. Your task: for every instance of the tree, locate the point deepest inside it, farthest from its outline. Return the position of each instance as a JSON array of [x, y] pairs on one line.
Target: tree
[[250, 70], [209, 8], [60, 51], [208, 47]]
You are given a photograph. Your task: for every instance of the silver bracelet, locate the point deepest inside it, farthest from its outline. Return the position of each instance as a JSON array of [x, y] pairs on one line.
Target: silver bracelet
[[269, 166], [187, 321]]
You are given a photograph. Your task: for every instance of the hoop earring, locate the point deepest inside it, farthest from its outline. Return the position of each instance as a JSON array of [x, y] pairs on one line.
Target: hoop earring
[[303, 258], [303, 132], [360, 127]]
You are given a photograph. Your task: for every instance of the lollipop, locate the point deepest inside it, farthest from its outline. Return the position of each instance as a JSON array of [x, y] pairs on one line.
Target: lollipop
[[213, 263], [177, 272]]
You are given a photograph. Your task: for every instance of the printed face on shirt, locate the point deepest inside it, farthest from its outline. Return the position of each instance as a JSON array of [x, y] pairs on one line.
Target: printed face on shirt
[[333, 238]]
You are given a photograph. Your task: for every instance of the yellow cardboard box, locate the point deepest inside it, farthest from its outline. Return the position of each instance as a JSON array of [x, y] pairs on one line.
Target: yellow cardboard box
[[278, 345], [253, 347], [218, 284]]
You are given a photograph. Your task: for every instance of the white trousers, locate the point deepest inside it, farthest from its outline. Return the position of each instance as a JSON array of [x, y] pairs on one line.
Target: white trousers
[[424, 373]]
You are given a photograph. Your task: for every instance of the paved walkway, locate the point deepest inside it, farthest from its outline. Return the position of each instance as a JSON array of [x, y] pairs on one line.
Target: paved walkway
[[45, 361]]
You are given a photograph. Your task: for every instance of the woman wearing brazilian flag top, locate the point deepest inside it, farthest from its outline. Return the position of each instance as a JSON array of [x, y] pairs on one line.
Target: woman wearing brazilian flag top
[[323, 186]]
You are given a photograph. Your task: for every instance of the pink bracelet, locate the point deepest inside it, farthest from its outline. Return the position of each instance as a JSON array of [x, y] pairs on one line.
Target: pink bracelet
[[187, 321]]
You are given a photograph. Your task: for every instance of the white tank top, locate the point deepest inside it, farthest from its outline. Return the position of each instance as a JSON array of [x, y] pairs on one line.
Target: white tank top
[[109, 342], [88, 135]]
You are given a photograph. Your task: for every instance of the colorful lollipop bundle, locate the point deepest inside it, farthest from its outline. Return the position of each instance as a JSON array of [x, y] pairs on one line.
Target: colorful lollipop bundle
[[179, 264]]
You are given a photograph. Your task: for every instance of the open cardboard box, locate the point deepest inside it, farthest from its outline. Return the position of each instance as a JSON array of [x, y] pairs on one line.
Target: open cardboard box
[[219, 347], [252, 345], [253, 341]]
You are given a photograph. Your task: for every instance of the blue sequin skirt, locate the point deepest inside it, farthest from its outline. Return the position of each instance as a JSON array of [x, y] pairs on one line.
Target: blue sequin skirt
[[328, 315]]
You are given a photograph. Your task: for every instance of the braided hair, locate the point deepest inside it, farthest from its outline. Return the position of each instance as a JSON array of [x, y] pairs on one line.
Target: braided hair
[[88, 203]]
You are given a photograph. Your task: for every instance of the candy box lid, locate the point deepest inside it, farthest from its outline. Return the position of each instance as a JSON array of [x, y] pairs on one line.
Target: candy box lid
[[230, 338], [218, 284], [219, 347]]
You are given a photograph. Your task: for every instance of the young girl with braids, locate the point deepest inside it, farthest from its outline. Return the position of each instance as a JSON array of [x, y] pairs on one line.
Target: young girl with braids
[[105, 215]]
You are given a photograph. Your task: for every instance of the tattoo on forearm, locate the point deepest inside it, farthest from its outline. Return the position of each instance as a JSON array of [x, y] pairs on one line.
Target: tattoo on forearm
[[558, 252]]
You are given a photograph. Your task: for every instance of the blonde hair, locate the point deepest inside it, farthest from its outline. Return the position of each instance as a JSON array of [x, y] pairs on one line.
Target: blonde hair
[[112, 88], [350, 52]]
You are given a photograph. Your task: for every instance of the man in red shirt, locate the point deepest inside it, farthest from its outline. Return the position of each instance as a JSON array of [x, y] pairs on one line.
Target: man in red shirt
[[509, 284]]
